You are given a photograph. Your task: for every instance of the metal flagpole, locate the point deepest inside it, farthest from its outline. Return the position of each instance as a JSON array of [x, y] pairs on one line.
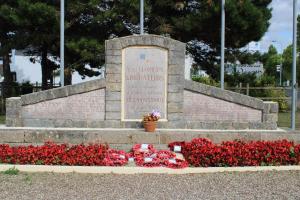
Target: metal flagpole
[[141, 17], [294, 91], [62, 42], [222, 42]]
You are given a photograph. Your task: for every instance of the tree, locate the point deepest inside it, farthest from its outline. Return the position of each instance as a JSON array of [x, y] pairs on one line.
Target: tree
[[89, 23], [198, 23], [8, 32], [271, 60]]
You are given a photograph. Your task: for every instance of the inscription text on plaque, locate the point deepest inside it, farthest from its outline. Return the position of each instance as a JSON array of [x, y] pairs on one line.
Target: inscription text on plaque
[[144, 82]]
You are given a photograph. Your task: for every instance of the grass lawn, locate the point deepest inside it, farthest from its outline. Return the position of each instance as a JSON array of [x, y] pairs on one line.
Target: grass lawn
[[284, 120]]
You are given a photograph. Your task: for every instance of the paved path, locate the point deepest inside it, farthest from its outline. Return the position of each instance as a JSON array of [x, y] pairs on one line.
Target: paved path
[[259, 185]]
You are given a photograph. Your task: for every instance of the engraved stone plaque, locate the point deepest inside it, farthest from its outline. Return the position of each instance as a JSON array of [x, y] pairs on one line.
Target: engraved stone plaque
[[144, 82]]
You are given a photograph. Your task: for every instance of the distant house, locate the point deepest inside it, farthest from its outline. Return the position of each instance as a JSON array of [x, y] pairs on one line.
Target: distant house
[[257, 68]]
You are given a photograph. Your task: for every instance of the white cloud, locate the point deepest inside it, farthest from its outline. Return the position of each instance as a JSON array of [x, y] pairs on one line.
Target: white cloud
[[281, 27]]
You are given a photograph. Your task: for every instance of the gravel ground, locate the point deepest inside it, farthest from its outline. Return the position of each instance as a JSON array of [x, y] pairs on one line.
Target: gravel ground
[[258, 185]]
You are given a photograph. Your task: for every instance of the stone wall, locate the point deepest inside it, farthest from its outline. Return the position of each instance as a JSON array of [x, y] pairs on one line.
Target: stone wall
[[100, 103], [213, 108], [175, 77], [80, 105], [200, 107]]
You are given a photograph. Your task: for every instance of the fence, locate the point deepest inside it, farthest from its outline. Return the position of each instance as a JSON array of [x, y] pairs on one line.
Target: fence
[[247, 91]]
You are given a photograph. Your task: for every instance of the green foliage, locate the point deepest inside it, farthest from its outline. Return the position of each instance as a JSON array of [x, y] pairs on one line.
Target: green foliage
[[233, 80], [206, 80], [89, 23], [11, 171], [270, 60], [279, 95], [265, 81], [26, 88]]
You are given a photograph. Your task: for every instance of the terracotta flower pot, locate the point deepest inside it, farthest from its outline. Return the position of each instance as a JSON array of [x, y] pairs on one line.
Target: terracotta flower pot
[[150, 126]]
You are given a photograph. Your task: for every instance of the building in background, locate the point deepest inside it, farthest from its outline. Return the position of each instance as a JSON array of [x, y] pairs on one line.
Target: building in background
[[257, 68]]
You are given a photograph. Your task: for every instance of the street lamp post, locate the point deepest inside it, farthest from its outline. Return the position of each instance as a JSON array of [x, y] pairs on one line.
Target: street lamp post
[[141, 17], [294, 84], [222, 42], [62, 42]]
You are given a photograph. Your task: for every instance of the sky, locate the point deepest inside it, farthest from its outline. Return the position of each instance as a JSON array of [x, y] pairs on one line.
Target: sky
[[281, 28], [279, 34]]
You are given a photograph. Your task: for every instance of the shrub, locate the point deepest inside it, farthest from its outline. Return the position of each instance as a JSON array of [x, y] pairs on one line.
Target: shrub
[[206, 80]]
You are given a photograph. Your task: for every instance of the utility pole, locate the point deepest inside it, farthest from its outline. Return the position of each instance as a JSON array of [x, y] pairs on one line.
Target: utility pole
[[222, 43], [141, 17], [62, 42], [294, 81]]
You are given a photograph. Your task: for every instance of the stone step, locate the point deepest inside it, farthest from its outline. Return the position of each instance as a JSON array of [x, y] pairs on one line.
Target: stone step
[[135, 136]]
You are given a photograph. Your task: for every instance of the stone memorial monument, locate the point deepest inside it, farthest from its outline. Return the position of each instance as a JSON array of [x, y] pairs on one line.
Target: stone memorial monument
[[143, 73]]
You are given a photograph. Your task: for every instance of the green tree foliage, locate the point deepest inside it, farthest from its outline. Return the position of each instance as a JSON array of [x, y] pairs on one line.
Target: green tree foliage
[[9, 21], [90, 22], [270, 60]]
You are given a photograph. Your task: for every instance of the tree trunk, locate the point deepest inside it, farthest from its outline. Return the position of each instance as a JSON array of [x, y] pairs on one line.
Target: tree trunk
[[68, 76], [47, 76], [44, 69], [8, 78]]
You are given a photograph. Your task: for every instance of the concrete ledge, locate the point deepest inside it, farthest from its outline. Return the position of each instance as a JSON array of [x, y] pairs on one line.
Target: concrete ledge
[[132, 136], [140, 170]]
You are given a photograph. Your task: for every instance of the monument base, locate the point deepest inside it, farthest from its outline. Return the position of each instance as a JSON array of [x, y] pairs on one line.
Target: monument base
[[125, 138]]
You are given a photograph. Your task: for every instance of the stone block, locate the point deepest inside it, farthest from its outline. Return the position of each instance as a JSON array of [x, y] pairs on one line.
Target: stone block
[[113, 59], [113, 44], [113, 68], [175, 88], [175, 80], [175, 70], [95, 123], [175, 97], [113, 78], [175, 116], [112, 52], [113, 116], [112, 123], [64, 91], [33, 98], [145, 138], [113, 106], [270, 117], [113, 96], [175, 107], [113, 87], [12, 136], [177, 58]]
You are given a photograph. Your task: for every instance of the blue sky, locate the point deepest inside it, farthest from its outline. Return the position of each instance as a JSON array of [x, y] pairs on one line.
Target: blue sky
[[280, 30]]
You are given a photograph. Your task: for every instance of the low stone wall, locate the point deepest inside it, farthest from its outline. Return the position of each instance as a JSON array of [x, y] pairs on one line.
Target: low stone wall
[[83, 105], [213, 108], [80, 105]]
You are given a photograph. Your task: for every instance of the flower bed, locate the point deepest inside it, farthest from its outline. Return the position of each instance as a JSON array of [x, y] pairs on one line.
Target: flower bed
[[203, 153], [144, 155], [63, 154]]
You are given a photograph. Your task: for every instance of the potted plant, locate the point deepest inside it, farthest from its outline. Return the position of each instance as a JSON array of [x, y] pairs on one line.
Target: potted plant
[[150, 121]]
